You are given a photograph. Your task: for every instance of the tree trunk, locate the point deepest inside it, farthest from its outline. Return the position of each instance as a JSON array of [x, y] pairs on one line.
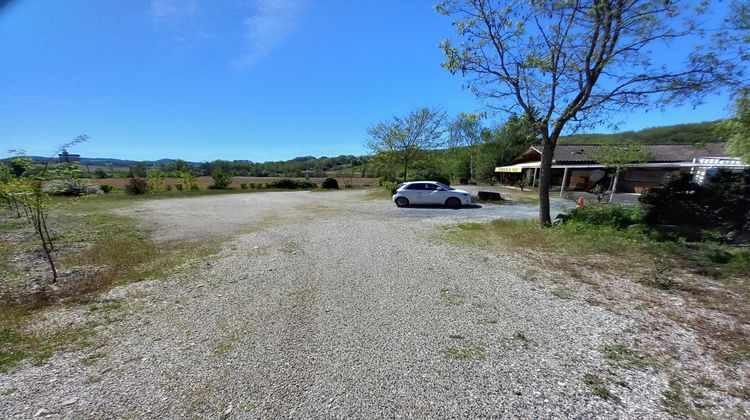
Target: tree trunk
[[45, 244], [406, 166], [545, 175]]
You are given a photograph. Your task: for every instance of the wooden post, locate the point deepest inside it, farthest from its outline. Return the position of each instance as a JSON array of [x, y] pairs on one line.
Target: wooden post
[[614, 184], [564, 182], [533, 179]]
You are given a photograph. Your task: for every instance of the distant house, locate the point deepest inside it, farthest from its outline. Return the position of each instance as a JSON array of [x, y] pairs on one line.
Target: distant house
[[68, 157], [574, 165]]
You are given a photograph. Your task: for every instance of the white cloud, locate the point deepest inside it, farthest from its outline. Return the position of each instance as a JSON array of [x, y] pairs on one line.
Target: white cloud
[[268, 28], [171, 10]]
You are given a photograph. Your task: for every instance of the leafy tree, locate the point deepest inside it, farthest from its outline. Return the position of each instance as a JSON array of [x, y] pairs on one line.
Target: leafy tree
[[737, 129], [221, 180], [618, 156], [189, 181], [568, 64], [466, 131], [404, 140], [155, 179], [502, 144], [27, 193]]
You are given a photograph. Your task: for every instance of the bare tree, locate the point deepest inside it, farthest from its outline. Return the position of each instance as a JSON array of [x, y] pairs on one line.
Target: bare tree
[[567, 64], [405, 139]]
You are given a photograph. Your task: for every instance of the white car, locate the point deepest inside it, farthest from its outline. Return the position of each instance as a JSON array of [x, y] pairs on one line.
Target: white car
[[430, 192]]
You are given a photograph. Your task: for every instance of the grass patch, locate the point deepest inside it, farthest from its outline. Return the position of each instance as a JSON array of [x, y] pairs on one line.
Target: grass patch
[[562, 293], [106, 250], [624, 356], [472, 351], [599, 388], [377, 194]]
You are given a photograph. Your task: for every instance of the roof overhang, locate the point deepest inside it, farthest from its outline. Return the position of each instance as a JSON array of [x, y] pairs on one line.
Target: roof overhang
[[519, 167]]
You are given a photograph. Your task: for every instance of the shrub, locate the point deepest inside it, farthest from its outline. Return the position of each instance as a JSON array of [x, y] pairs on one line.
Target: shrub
[[330, 184], [101, 173], [106, 189], [612, 215], [72, 188], [243, 186], [680, 201], [178, 186], [390, 186], [252, 185], [221, 181], [137, 186], [168, 187], [291, 184]]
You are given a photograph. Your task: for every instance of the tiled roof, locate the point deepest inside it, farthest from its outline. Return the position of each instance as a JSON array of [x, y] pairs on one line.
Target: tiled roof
[[583, 153]]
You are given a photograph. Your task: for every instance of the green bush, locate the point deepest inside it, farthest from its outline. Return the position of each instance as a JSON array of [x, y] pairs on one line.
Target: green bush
[[178, 186], [724, 203], [137, 186], [330, 184], [243, 186], [168, 187], [106, 189], [291, 184], [390, 186], [612, 215], [252, 185], [221, 181]]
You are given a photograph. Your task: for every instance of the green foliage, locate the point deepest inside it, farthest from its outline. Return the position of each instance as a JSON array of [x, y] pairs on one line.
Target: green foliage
[[155, 180], [222, 180], [101, 173], [291, 184], [737, 129], [189, 181], [503, 144], [430, 175], [401, 141], [243, 186], [330, 184], [680, 201], [614, 155], [611, 215], [137, 186], [106, 189], [698, 133], [389, 186]]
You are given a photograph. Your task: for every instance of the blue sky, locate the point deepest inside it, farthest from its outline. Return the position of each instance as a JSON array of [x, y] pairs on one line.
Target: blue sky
[[234, 79]]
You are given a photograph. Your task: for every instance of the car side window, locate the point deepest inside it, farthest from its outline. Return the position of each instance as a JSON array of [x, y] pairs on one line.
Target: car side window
[[415, 187], [431, 187]]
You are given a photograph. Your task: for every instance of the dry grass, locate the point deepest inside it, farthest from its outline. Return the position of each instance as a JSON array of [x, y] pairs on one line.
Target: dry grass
[[105, 251]]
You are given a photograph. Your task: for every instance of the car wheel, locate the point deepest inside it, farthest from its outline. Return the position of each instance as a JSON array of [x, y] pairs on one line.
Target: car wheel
[[402, 202], [453, 202]]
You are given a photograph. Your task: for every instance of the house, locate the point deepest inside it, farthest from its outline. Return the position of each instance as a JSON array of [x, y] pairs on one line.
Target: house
[[574, 166]]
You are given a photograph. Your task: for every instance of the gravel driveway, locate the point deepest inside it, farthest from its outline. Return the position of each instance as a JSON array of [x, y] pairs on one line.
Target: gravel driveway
[[326, 305]]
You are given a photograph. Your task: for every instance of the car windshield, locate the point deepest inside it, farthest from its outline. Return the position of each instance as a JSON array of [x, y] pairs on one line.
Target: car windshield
[[445, 187]]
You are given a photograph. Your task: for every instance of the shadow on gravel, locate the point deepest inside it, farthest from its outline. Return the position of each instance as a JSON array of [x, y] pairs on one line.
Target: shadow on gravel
[[441, 207]]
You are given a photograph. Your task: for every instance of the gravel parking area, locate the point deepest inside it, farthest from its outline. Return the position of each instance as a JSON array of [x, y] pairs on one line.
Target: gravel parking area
[[326, 305]]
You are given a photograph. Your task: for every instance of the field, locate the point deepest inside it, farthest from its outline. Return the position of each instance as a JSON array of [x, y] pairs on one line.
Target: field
[[339, 304], [205, 181]]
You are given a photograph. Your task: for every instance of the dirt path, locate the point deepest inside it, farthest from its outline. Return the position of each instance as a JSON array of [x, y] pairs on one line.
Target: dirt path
[[321, 307]]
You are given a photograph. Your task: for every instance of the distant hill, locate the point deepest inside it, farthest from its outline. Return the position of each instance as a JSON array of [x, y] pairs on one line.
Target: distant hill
[[698, 133], [108, 161]]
